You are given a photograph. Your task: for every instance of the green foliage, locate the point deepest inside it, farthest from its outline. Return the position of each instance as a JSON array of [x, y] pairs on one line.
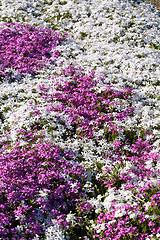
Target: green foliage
[[99, 187], [2, 117], [83, 35], [110, 135], [62, 2], [81, 226], [130, 135], [141, 55], [154, 46], [129, 25]]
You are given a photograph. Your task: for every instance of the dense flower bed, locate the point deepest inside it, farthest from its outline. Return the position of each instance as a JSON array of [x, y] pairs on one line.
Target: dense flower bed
[[26, 49], [37, 183], [79, 120]]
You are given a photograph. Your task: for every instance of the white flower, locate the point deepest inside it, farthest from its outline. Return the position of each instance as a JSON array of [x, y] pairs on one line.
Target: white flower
[[70, 218], [22, 216], [158, 235], [43, 193], [120, 213], [19, 228], [54, 232], [36, 237], [132, 215]]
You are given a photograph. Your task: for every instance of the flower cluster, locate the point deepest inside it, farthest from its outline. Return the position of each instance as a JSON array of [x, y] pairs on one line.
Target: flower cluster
[[134, 213], [87, 107], [37, 183], [25, 48], [126, 222]]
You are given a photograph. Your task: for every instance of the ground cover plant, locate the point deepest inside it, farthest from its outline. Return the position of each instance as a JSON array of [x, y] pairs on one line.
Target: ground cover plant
[[31, 46], [79, 120]]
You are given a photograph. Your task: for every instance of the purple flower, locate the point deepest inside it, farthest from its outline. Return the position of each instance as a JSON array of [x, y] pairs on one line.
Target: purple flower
[[26, 49], [36, 180]]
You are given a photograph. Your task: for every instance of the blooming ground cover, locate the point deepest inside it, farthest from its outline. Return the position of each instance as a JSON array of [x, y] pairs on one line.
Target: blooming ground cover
[[79, 120]]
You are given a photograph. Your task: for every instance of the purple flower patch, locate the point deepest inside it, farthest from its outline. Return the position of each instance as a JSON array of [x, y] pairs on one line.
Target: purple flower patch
[[26, 49], [36, 182], [87, 108]]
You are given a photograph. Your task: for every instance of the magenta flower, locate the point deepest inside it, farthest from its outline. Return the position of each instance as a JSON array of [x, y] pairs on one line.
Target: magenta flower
[[26, 49], [86, 107], [35, 182]]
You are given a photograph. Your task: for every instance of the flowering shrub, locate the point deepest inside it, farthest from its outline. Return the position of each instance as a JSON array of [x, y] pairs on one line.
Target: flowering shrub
[[25, 48], [37, 183]]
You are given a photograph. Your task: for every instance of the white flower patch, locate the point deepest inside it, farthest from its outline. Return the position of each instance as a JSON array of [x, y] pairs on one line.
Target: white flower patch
[[147, 205], [120, 213], [96, 203], [70, 218], [54, 232]]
